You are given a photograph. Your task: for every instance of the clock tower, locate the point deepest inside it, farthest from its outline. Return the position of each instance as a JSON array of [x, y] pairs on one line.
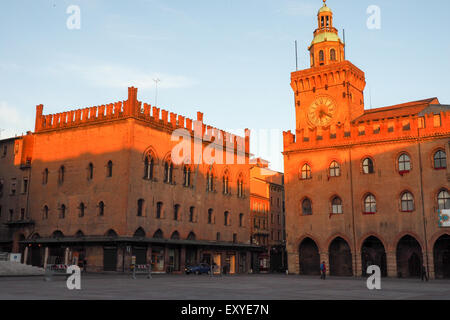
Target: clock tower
[[331, 92]]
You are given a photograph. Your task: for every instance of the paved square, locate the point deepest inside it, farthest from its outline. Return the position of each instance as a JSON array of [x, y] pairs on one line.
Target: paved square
[[237, 287]]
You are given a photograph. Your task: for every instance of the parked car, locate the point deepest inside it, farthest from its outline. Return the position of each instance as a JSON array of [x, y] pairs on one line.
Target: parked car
[[198, 269]]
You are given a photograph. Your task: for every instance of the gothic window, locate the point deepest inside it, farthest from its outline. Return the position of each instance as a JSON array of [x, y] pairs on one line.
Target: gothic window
[[335, 169], [187, 176], [90, 171], [210, 216], [306, 172], [159, 206], [62, 211], [45, 213], [370, 204], [61, 174], [168, 172], [191, 214], [82, 208], [225, 183], [149, 163], [306, 207], [45, 176], [440, 160], [140, 207], [443, 200], [336, 205], [240, 187], [404, 163], [210, 180], [407, 202], [109, 168], [101, 208], [368, 166], [176, 210]]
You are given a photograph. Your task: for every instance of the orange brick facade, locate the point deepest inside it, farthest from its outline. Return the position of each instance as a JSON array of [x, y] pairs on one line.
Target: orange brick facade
[[363, 187], [105, 188]]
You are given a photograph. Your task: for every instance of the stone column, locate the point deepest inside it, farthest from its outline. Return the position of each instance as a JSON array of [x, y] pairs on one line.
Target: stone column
[[325, 256], [430, 267], [293, 263], [391, 264], [25, 255], [358, 262], [45, 257]]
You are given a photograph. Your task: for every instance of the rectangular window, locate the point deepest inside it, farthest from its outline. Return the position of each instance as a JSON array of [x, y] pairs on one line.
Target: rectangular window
[[25, 185], [13, 186]]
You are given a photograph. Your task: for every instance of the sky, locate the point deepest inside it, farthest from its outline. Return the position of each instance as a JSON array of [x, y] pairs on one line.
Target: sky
[[230, 59]]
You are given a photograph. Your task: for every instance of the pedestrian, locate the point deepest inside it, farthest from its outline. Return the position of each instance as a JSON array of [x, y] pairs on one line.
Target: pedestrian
[[424, 273], [323, 270]]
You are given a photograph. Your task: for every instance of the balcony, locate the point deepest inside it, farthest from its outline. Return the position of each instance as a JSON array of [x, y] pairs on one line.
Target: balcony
[[20, 223]]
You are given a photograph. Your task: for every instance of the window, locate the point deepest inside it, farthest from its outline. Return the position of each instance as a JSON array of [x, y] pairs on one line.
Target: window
[[45, 176], [225, 183], [367, 166], [210, 216], [306, 172], [191, 214], [5, 150], [62, 211], [25, 185], [218, 236], [234, 237], [81, 208], [240, 187], [336, 205], [109, 169], [13, 188], [370, 204], [148, 167], [210, 180], [226, 216], [168, 172], [443, 200], [321, 56], [333, 55], [159, 210], [440, 160], [335, 169], [90, 171], [11, 214], [22, 214], [306, 207], [61, 173], [407, 202], [140, 207], [101, 209], [176, 209], [45, 213], [186, 176], [404, 163], [241, 220]]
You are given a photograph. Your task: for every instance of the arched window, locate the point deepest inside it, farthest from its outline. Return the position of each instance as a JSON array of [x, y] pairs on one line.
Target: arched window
[[176, 210], [407, 202], [241, 220], [101, 208], [149, 163], [186, 176], [443, 200], [370, 204], [367, 166], [336, 205], [306, 207], [210, 180], [139, 233], [111, 233], [79, 234], [240, 187], [109, 169], [175, 236], [62, 211], [191, 214], [159, 206], [90, 171], [45, 213], [335, 169], [191, 236], [45, 176], [82, 208], [168, 172], [440, 160], [333, 55], [226, 216], [61, 174], [404, 163], [321, 56], [306, 172], [210, 216], [140, 207], [158, 234], [225, 183]]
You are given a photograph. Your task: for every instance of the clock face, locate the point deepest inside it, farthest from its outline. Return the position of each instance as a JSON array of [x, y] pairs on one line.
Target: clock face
[[321, 111]]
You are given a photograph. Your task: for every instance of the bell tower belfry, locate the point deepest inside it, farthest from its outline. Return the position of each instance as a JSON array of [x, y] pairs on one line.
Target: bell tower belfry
[[331, 91]]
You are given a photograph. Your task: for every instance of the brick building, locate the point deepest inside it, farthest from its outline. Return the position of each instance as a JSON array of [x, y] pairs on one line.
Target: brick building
[[363, 187], [104, 186], [267, 216]]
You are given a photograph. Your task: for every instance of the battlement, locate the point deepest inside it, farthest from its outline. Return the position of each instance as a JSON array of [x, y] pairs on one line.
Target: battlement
[[395, 128], [132, 108]]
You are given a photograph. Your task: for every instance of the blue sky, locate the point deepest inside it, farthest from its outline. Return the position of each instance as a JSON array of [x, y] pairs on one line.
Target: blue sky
[[230, 59]]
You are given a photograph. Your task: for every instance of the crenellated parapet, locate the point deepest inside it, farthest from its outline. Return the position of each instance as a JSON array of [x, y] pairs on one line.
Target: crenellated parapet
[[373, 131], [155, 117]]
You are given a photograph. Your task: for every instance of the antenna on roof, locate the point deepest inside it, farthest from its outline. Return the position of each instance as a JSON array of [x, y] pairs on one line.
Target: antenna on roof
[[296, 57]]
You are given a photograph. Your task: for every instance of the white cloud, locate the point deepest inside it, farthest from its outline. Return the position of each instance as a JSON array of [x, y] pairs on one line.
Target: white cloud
[[12, 122]]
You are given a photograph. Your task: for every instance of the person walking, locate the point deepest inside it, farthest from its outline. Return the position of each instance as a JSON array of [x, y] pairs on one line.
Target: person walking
[[424, 273], [323, 270]]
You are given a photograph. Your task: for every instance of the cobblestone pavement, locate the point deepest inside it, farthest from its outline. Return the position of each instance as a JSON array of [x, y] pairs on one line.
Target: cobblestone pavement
[[236, 287]]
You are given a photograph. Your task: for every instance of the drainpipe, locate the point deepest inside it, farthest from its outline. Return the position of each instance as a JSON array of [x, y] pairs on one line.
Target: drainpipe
[[355, 271], [423, 204]]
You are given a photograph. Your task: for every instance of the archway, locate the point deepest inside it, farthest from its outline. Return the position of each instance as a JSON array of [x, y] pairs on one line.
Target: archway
[[340, 258], [409, 258], [441, 252], [373, 253], [309, 257]]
